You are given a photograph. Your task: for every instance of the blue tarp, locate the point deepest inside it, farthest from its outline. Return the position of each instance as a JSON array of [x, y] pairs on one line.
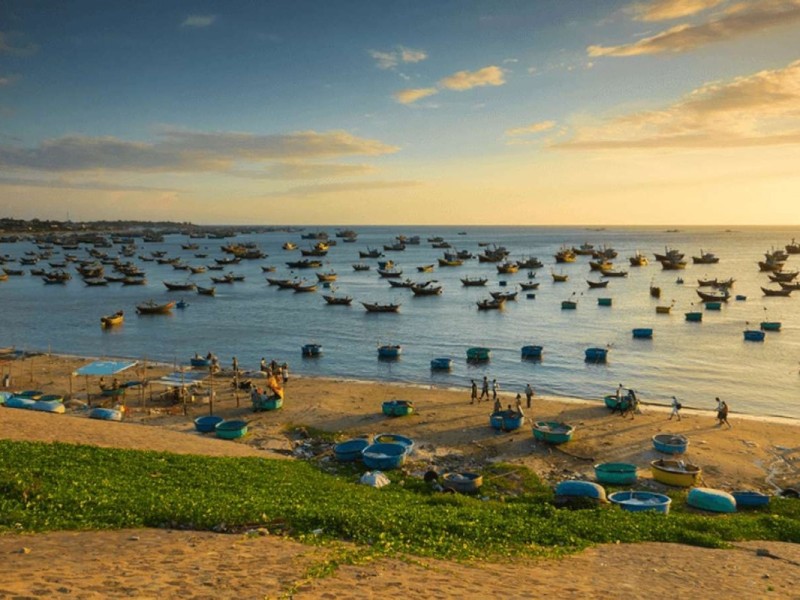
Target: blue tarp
[[105, 368], [180, 379]]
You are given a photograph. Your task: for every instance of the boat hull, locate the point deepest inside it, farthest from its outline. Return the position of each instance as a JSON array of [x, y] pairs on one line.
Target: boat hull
[[615, 473], [711, 500]]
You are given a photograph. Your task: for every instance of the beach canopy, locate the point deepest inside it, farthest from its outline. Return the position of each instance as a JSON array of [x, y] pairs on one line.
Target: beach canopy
[[105, 368], [180, 379]]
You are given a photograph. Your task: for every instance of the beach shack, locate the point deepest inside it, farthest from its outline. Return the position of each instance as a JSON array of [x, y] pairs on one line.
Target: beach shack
[[102, 369]]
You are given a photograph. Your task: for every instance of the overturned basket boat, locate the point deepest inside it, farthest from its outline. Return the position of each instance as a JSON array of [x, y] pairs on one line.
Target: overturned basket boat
[[464, 483]]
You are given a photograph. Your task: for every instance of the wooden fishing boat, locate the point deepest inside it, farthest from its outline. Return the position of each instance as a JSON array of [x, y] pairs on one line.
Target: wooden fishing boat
[[425, 268], [311, 350], [670, 443], [553, 432], [377, 307], [132, 281], [565, 255], [792, 286], [395, 438], [669, 265], [705, 258], [585, 249], [596, 284], [634, 501], [711, 500], [670, 254], [200, 269], [361, 267], [179, 286], [204, 291], [426, 289], [785, 276], [450, 262], [504, 295], [525, 287], [153, 308], [599, 265], [390, 273], [507, 268], [306, 263], [338, 300], [289, 246], [207, 423], [655, 291], [530, 263], [404, 283], [224, 279], [474, 281], [491, 304], [559, 277], [200, 362], [479, 354], [675, 472], [638, 260], [718, 296], [305, 287], [370, 253], [616, 473], [390, 351], [772, 292], [613, 273], [112, 320]]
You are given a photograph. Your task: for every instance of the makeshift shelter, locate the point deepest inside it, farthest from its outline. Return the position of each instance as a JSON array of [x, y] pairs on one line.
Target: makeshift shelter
[[180, 381], [102, 368]]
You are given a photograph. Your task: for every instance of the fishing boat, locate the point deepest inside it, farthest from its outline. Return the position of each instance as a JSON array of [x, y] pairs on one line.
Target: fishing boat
[[569, 304], [673, 265], [793, 248], [397, 408], [525, 287], [450, 262], [596, 355], [507, 268], [596, 284], [425, 289], [337, 300], [773, 292], [504, 295], [599, 265], [289, 246], [474, 281], [553, 432], [377, 307], [792, 286], [207, 423], [604, 301], [305, 263], [559, 277], [179, 286], [770, 325], [718, 296], [635, 501], [390, 351], [204, 291], [441, 364], [491, 304], [670, 443], [675, 472], [754, 335], [565, 255], [305, 287], [153, 308], [370, 253], [670, 254], [531, 352], [655, 291], [724, 284], [613, 273], [425, 268], [584, 249], [200, 269], [705, 258], [694, 316], [784, 276], [96, 281], [311, 350], [390, 273], [405, 283], [616, 473], [638, 260], [642, 333], [617, 403], [112, 320], [479, 354], [711, 500], [530, 263], [361, 267], [200, 362], [713, 305], [224, 279]]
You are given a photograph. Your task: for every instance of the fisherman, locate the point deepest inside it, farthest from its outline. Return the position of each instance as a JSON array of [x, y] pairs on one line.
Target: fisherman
[[484, 388], [263, 365], [528, 394], [676, 409], [473, 392], [722, 413], [285, 372], [495, 388], [498, 407], [235, 365]]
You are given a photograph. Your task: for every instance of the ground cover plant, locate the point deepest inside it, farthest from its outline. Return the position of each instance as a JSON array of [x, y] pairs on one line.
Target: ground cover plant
[[60, 486]]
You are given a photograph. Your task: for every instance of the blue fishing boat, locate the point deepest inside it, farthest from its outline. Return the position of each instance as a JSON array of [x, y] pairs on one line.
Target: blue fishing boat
[[199, 362], [694, 317], [105, 414], [669, 443], [350, 450], [596, 354], [207, 424], [552, 432], [615, 473], [741, 297], [633, 501], [753, 335], [643, 333], [390, 351], [30, 394], [604, 302], [612, 402], [396, 438], [532, 352], [398, 408], [19, 402], [713, 305], [770, 325], [311, 350], [750, 498], [51, 406], [265, 401], [478, 354], [230, 430], [441, 364], [711, 500], [512, 420], [496, 421], [384, 456], [576, 488]]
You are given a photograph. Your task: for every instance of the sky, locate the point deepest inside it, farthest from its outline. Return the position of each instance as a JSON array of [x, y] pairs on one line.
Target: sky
[[545, 112]]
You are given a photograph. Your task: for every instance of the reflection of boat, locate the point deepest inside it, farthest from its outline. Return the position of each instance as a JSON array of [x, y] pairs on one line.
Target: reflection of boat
[[675, 472], [111, 320], [378, 307], [152, 308]]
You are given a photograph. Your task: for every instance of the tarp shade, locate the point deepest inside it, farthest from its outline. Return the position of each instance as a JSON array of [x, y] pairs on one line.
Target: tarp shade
[[179, 379], [105, 368]]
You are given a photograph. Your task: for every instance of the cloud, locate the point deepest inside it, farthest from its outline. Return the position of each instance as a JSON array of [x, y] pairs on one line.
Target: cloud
[[762, 109], [412, 95], [186, 151], [466, 80], [15, 44], [531, 129], [401, 54], [740, 21], [664, 10], [79, 185], [334, 188], [199, 21], [305, 171]]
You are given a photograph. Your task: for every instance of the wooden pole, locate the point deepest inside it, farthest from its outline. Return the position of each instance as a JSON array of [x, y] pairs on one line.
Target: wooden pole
[[211, 393], [236, 387]]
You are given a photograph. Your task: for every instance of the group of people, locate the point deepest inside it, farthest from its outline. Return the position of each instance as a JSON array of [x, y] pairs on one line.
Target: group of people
[[495, 388], [627, 402], [273, 368]]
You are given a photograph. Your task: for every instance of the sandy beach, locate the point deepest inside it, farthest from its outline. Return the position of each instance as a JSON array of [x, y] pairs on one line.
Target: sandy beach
[[450, 432]]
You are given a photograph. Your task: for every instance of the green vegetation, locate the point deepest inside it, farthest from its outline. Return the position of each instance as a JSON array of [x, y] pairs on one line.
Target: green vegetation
[[60, 486]]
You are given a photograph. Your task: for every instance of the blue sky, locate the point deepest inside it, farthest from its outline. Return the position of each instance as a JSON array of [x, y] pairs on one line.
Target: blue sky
[[401, 112]]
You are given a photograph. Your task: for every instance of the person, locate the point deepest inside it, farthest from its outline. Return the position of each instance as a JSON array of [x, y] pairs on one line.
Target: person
[[676, 409], [273, 367], [519, 406], [235, 365], [495, 387], [528, 394], [285, 372], [498, 406], [114, 384], [633, 403], [7, 380], [197, 356], [263, 365], [102, 383], [619, 392], [209, 356], [473, 392], [722, 413], [484, 389]]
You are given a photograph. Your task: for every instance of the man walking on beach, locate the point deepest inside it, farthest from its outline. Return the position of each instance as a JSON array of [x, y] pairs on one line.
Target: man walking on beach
[[722, 413], [263, 365], [235, 365], [495, 387], [484, 389], [474, 392], [528, 394], [676, 409]]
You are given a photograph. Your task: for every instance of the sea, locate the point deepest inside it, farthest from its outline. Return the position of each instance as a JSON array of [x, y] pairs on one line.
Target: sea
[[694, 361]]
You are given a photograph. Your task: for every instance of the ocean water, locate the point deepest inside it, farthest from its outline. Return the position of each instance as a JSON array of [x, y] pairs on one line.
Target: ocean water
[[250, 319]]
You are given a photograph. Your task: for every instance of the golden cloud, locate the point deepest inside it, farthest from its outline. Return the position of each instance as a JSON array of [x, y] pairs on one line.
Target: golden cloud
[[410, 96], [531, 129], [466, 80], [664, 10]]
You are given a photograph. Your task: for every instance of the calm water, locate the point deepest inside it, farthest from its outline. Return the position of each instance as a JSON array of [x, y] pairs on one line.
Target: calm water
[[695, 361]]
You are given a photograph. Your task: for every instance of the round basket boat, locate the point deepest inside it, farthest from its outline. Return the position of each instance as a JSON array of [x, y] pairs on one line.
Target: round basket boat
[[711, 500], [750, 499], [611, 402], [441, 364], [552, 432], [395, 438], [106, 414], [384, 456], [575, 488], [512, 420], [263, 402], [669, 443], [675, 472], [640, 501], [615, 473], [496, 420], [350, 450], [230, 430], [464, 483], [207, 424], [397, 408]]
